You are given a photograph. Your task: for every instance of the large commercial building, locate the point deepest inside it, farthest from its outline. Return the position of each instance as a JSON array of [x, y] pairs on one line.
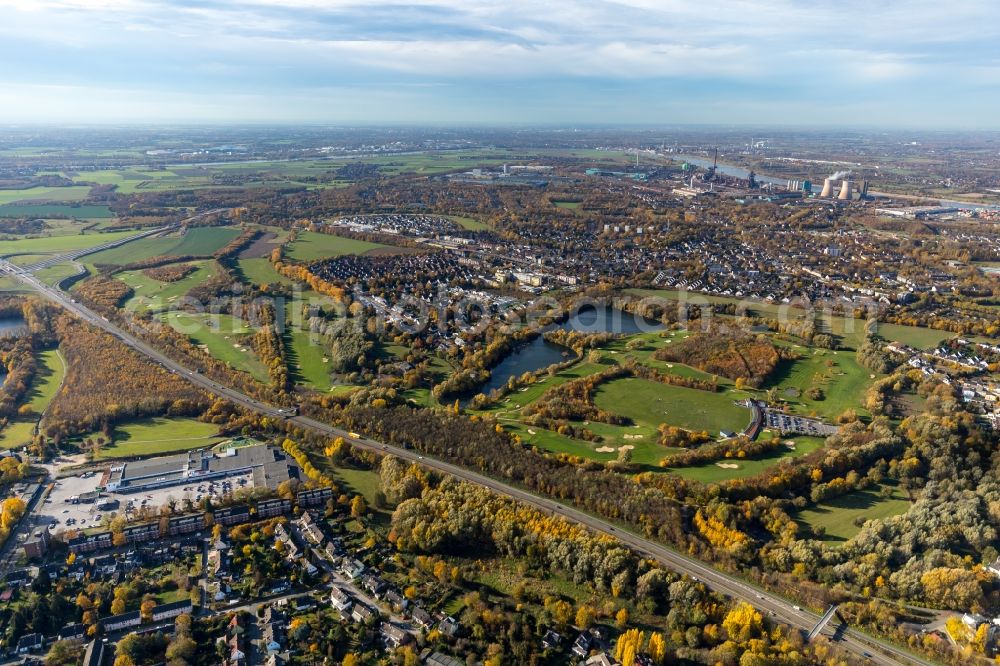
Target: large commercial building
[[268, 466]]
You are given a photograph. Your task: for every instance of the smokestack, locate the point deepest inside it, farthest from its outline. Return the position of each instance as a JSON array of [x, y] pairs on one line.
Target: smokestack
[[828, 186], [846, 189]]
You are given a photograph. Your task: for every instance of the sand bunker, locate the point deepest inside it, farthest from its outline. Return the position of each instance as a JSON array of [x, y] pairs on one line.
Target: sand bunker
[[727, 465], [605, 449]]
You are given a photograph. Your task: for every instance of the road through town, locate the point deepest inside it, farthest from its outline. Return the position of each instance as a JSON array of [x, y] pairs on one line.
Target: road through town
[[862, 645]]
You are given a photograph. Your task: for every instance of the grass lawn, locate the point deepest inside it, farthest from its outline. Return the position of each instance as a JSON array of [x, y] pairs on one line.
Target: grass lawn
[[842, 380], [160, 435], [650, 403], [311, 246], [50, 375], [850, 331], [203, 241], [837, 515], [307, 359], [259, 271], [55, 274], [733, 468], [51, 371], [468, 223], [224, 337], [569, 205], [918, 338], [16, 434], [73, 193], [55, 244], [358, 482], [157, 295]]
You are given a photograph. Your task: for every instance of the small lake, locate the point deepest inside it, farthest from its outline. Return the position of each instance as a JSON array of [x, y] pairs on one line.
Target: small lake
[[10, 326], [540, 353]]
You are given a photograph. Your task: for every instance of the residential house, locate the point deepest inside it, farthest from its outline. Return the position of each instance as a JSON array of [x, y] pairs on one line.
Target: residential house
[[98, 653], [582, 644], [340, 599], [551, 640], [374, 585], [171, 610], [30, 643], [449, 627], [72, 632], [421, 617], [394, 636], [114, 623], [352, 568], [362, 614]]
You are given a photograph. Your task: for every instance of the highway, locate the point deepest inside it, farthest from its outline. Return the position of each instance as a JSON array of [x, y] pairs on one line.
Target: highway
[[876, 651]]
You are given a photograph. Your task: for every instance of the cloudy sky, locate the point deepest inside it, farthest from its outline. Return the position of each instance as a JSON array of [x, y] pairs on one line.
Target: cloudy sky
[[913, 63]]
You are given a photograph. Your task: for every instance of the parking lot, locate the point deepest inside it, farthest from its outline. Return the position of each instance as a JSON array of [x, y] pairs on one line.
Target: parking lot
[[62, 512]]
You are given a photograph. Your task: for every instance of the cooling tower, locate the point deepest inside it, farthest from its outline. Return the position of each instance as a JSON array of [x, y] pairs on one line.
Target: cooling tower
[[846, 189], [828, 186]]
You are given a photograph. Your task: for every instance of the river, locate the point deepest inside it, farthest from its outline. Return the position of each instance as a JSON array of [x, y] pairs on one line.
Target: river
[[540, 353]]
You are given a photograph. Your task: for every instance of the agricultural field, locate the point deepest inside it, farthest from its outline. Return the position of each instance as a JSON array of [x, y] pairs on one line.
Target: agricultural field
[[199, 241], [31, 194], [158, 436], [222, 336], [836, 517], [152, 294], [58, 244], [312, 246], [84, 212]]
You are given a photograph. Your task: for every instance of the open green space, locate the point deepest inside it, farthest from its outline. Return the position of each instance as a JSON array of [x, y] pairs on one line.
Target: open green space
[[650, 403], [199, 241], [55, 274], [159, 435], [358, 482], [468, 223], [154, 294], [16, 434], [836, 373], [569, 205], [223, 336], [837, 516], [51, 371], [850, 331], [307, 359], [259, 271], [83, 212], [914, 336], [46, 383], [311, 246], [740, 468], [73, 193], [56, 244]]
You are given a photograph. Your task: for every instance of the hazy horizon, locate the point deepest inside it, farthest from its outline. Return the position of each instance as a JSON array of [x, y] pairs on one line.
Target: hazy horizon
[[643, 63]]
